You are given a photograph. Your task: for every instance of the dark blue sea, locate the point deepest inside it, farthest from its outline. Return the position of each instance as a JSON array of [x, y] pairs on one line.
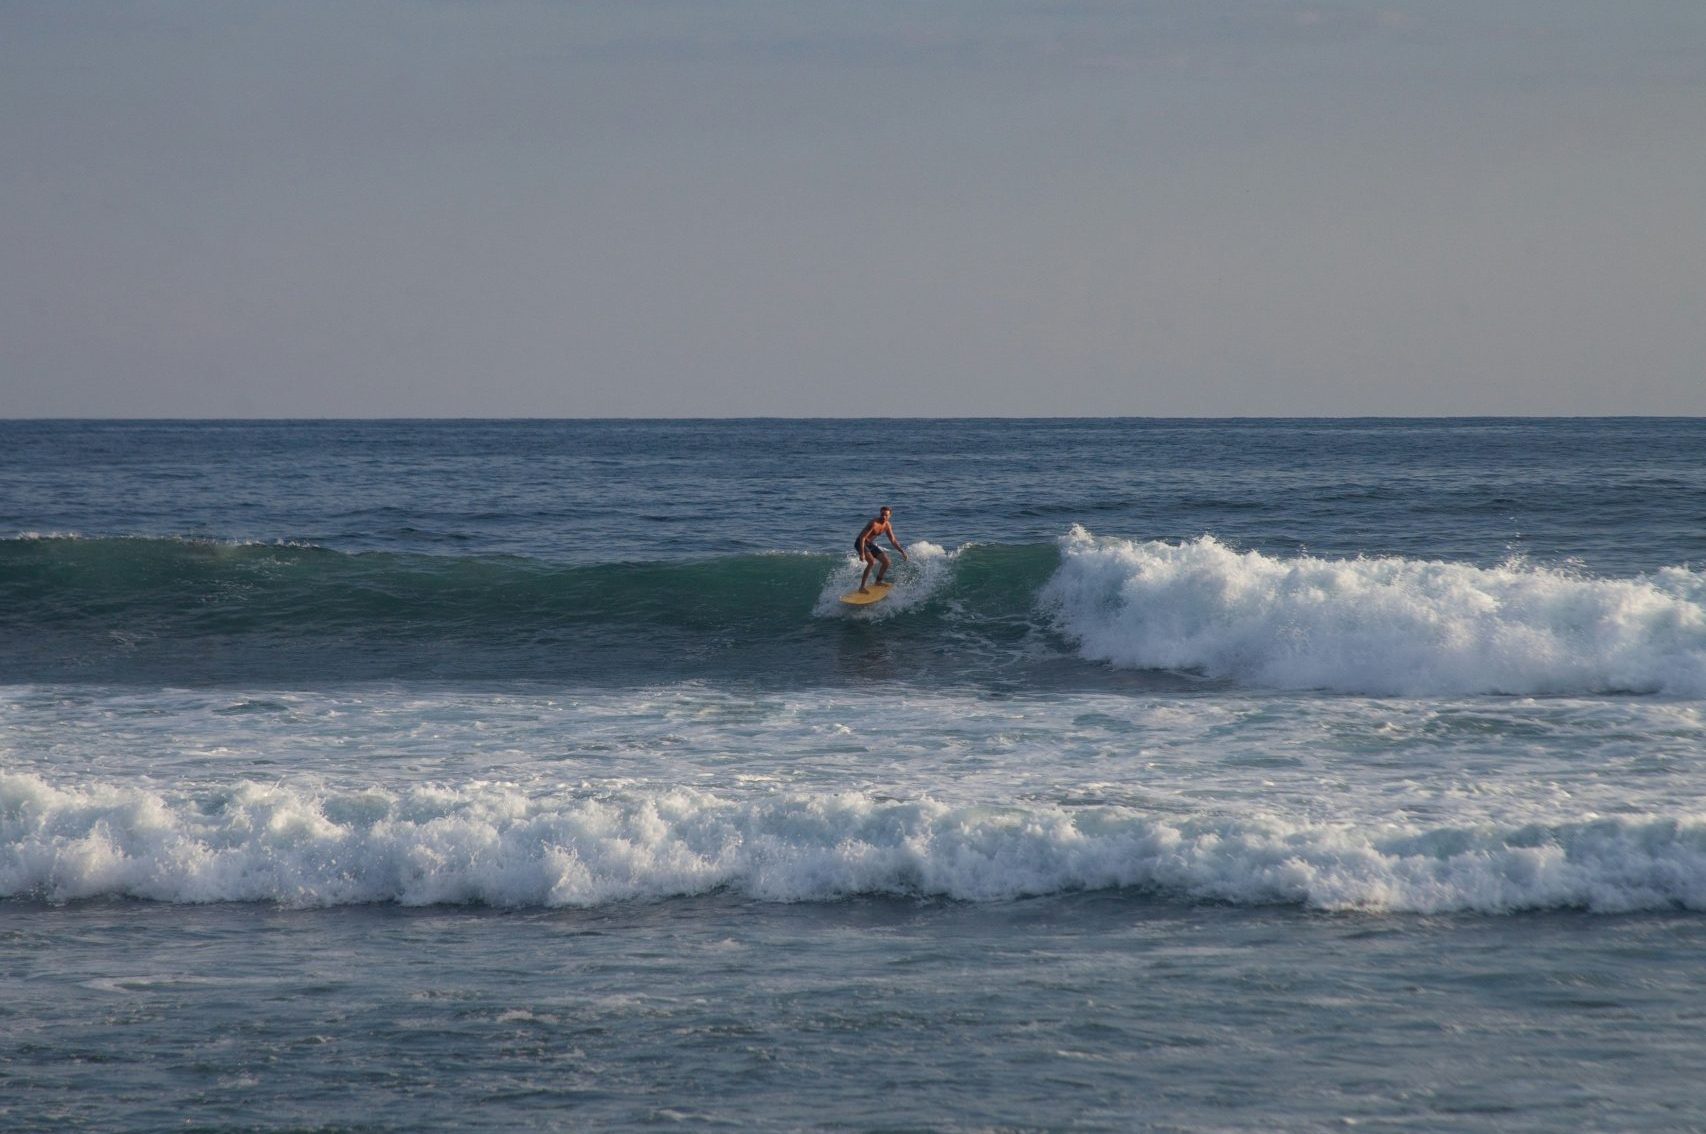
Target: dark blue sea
[[529, 775]]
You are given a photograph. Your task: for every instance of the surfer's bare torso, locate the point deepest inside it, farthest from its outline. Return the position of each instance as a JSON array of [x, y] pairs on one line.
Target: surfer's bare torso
[[865, 545]]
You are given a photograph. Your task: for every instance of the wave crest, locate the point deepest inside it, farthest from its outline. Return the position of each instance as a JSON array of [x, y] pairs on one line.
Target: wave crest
[[1383, 625], [496, 844]]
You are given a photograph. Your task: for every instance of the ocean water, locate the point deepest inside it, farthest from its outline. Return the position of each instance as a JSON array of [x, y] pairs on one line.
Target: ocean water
[[1197, 776]]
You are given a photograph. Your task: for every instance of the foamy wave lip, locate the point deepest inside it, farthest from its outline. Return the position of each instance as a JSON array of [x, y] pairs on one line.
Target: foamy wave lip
[[1384, 626], [494, 844], [917, 578]]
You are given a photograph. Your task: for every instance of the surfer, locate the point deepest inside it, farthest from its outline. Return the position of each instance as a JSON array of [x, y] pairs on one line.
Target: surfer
[[868, 551]]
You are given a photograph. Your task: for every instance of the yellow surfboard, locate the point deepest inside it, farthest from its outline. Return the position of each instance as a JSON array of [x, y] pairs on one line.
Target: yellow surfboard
[[876, 592]]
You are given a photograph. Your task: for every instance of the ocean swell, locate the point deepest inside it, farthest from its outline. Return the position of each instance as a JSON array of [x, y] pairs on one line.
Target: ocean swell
[[1388, 626]]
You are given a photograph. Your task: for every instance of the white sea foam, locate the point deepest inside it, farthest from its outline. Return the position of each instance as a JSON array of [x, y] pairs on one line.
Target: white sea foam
[[1385, 626], [927, 568], [495, 844]]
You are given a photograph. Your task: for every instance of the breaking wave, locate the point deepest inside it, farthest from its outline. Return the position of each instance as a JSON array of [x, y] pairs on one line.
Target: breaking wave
[[496, 844], [192, 612], [1382, 625]]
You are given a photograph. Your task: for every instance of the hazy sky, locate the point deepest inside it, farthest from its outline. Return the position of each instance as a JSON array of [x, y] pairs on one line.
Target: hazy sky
[[829, 207]]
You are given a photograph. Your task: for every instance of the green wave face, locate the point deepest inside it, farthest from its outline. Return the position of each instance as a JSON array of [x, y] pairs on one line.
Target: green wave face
[[181, 611]]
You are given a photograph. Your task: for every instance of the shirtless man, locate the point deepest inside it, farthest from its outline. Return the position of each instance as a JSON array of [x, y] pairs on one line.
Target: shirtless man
[[868, 551]]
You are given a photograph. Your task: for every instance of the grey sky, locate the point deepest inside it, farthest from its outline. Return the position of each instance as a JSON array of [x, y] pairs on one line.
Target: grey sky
[[492, 208]]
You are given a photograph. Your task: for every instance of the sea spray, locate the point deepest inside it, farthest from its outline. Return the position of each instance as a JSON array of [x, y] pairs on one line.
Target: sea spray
[[926, 570]]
